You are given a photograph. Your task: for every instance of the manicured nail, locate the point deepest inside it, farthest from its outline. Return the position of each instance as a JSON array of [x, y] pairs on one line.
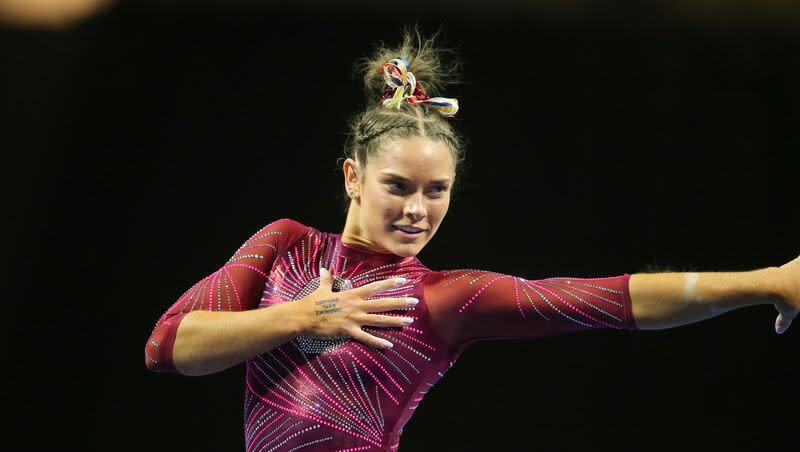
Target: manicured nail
[[388, 344], [407, 320], [412, 301], [400, 280]]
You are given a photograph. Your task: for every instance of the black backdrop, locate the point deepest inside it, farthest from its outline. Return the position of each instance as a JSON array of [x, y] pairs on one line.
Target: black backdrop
[[144, 145]]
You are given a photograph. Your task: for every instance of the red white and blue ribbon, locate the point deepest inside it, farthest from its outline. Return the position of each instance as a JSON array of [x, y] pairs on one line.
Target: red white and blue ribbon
[[402, 85]]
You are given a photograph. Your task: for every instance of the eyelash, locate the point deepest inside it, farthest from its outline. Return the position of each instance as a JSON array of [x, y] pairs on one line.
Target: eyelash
[[440, 192]]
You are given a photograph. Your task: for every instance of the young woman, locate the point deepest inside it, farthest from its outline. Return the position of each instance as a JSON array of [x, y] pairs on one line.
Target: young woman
[[344, 333]]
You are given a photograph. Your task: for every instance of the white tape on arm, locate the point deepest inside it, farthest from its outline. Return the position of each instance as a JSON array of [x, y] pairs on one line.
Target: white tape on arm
[[690, 289]]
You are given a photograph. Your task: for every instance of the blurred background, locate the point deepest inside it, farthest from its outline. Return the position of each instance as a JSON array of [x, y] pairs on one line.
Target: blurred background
[[145, 141]]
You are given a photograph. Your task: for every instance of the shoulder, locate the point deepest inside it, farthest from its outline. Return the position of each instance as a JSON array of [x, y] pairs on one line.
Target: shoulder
[[286, 225], [450, 276], [458, 283], [283, 230], [444, 280], [285, 222]]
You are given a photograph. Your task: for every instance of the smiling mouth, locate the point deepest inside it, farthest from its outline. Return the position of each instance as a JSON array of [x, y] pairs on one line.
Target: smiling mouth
[[410, 230]]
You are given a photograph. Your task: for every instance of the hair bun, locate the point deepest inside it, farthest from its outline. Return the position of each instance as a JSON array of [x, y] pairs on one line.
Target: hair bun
[[402, 85], [431, 66]]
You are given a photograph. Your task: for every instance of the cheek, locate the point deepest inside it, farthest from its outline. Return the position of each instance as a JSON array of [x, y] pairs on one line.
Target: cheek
[[438, 212], [376, 199], [387, 203], [390, 213]]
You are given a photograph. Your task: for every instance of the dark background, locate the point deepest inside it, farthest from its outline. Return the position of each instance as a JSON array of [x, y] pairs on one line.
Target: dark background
[[143, 145]]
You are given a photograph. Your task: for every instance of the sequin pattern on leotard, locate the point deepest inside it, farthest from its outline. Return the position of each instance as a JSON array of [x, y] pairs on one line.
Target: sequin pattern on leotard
[[342, 395]]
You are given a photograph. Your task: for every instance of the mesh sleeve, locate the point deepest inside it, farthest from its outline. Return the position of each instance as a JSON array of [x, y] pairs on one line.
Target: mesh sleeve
[[468, 305], [236, 286]]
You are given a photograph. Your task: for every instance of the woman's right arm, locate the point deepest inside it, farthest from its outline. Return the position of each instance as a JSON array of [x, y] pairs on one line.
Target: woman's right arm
[[215, 324], [208, 341]]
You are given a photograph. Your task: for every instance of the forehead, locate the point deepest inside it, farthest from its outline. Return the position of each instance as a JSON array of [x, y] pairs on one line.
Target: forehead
[[414, 157]]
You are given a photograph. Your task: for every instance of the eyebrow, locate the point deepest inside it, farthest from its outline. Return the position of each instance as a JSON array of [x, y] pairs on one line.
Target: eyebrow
[[397, 176]]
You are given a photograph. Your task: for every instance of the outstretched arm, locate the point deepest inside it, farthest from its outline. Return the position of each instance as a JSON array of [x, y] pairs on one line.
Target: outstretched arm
[[466, 305], [665, 300]]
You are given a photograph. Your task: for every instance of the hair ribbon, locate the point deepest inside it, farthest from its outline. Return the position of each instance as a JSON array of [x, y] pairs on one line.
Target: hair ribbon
[[402, 85]]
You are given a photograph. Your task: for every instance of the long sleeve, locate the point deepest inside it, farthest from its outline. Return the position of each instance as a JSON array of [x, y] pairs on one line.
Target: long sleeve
[[236, 286], [467, 305]]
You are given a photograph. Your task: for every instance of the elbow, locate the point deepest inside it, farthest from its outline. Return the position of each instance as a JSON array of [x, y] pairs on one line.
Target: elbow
[[155, 360], [151, 362], [158, 349]]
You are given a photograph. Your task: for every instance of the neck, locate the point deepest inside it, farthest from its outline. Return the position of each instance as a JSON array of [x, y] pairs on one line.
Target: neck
[[353, 234]]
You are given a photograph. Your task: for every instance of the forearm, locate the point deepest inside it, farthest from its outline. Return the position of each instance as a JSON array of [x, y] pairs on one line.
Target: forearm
[[665, 300], [211, 341]]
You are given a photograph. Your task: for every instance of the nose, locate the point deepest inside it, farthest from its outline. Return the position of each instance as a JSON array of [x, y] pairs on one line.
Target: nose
[[414, 208]]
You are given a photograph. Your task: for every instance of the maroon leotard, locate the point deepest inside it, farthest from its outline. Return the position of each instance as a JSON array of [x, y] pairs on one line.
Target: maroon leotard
[[343, 395]]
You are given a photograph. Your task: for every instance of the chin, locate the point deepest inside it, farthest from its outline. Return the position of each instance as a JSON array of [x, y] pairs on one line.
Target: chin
[[407, 250]]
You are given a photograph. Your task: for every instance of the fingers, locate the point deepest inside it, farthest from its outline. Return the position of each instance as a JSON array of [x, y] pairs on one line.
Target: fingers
[[325, 279], [389, 304], [379, 286], [385, 320], [782, 323], [363, 336]]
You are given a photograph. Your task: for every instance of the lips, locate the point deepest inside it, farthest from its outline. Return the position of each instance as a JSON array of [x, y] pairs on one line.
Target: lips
[[408, 229]]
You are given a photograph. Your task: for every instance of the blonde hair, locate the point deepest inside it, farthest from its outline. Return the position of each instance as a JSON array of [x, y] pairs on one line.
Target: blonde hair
[[373, 126]]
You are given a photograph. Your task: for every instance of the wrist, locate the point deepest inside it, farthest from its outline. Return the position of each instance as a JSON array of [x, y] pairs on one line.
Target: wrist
[[769, 285], [787, 284], [724, 291], [292, 316]]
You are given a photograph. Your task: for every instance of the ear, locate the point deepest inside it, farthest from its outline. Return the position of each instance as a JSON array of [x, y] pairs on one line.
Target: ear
[[351, 175]]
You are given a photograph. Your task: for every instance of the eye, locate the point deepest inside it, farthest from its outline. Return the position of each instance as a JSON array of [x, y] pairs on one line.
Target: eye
[[398, 185], [439, 190]]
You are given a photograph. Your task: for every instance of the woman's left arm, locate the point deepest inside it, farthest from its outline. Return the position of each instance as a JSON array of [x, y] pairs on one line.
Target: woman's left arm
[[665, 300]]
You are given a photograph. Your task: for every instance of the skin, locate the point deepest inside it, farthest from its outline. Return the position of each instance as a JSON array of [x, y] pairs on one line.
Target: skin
[[380, 201]]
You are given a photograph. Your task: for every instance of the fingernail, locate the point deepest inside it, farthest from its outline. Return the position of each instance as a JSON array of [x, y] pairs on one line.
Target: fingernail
[[389, 344], [413, 301], [407, 320], [400, 280]]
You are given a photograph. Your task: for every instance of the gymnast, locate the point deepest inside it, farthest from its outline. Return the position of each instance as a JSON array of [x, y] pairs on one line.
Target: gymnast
[[344, 333]]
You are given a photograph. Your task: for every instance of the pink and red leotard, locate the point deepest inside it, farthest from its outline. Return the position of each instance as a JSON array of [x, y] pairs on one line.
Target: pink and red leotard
[[343, 395]]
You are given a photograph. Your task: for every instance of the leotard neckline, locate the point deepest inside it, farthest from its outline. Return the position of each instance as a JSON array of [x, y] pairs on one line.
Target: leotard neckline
[[352, 252]]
